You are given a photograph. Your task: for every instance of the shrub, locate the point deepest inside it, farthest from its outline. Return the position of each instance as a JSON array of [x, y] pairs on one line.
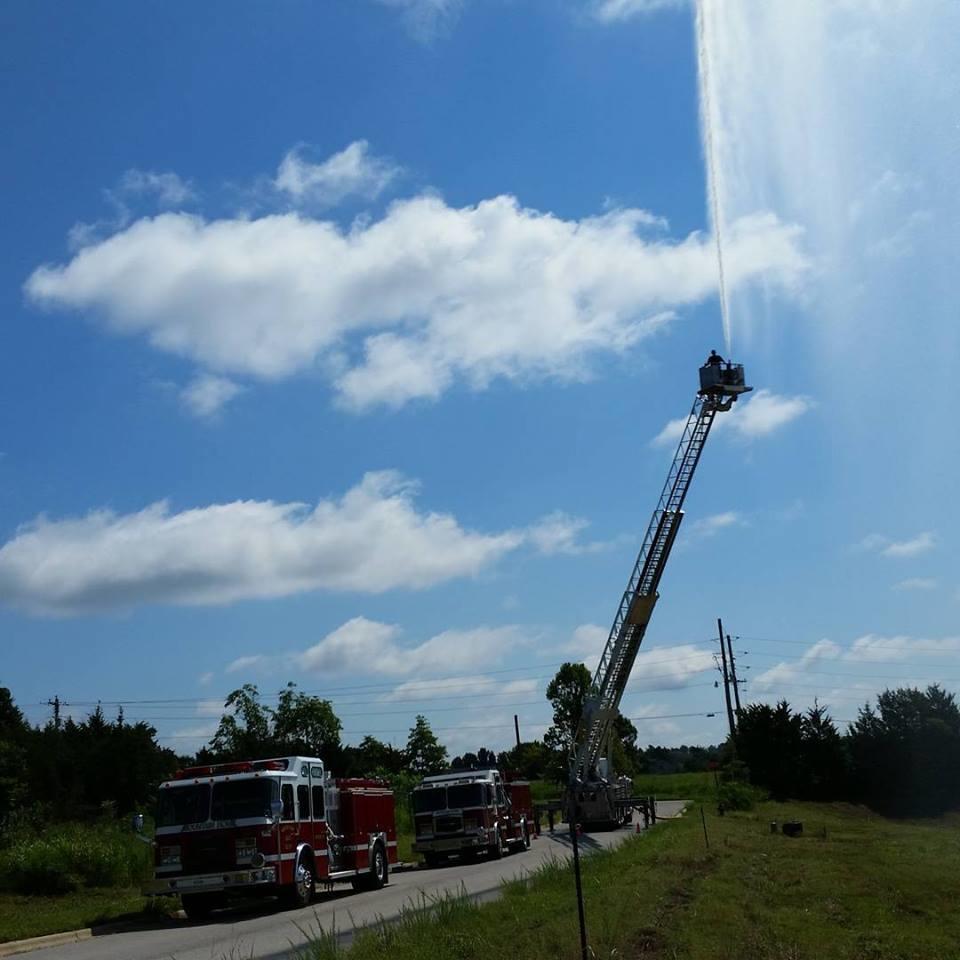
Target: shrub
[[68, 856], [739, 796]]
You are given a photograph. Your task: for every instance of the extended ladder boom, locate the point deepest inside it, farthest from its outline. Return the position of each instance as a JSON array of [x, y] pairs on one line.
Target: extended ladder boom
[[720, 385]]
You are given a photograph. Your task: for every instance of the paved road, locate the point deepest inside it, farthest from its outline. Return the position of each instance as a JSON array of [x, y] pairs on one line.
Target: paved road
[[266, 932]]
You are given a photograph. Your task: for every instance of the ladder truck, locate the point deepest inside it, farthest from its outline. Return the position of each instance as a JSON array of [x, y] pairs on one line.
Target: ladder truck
[[594, 798]]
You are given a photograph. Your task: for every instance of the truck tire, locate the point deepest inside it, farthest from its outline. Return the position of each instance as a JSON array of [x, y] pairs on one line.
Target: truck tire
[[526, 835], [432, 859], [197, 906], [379, 871], [300, 892]]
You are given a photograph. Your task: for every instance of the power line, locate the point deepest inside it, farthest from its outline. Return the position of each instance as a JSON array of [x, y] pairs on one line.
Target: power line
[[409, 686]]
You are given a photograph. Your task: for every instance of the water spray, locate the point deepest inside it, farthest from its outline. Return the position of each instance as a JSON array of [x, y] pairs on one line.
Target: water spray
[[709, 153]]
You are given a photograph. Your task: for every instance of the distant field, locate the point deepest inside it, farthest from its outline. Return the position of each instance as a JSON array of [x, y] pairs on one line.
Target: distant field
[[676, 786], [854, 887]]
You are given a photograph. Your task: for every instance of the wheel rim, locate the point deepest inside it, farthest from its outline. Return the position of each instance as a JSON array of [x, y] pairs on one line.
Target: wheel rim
[[304, 881], [380, 866]]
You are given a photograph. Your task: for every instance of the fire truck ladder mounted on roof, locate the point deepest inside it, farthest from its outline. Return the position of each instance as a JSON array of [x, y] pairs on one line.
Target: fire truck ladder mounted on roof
[[593, 797]]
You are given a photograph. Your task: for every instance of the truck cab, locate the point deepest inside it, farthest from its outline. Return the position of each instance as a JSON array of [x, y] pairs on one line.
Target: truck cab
[[467, 812], [262, 827]]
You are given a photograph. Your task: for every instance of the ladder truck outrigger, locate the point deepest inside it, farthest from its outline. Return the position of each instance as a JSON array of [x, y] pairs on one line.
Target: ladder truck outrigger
[[594, 798]]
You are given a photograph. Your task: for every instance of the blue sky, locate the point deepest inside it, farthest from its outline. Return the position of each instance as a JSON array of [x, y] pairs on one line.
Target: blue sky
[[343, 343]]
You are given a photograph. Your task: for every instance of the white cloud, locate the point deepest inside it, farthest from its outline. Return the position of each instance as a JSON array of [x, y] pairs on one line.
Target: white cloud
[[424, 17], [168, 188], [875, 648], [205, 679], [709, 526], [405, 307], [899, 549], [916, 583], [784, 673], [760, 415], [244, 663], [669, 669], [371, 647], [558, 532], [452, 687], [587, 643], [371, 540], [351, 172], [921, 543], [206, 395], [654, 669], [615, 11]]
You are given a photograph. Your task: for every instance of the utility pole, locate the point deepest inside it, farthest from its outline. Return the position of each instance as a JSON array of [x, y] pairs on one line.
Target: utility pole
[[726, 687], [55, 703], [516, 727], [733, 675]]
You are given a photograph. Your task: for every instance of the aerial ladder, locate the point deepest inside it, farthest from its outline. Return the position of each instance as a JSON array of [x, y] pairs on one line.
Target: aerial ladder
[[594, 797]]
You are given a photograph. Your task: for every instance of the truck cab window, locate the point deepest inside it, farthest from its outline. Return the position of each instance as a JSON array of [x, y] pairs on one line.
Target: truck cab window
[[303, 801], [318, 803], [286, 795]]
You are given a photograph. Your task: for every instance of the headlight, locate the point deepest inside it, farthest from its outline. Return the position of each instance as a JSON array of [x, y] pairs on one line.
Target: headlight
[[246, 848], [169, 856]]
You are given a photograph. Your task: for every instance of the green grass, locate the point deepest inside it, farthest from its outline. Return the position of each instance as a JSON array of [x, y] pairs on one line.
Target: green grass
[[23, 916], [853, 887], [676, 786]]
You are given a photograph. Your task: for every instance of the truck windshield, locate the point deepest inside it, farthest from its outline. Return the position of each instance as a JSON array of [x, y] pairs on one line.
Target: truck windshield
[[465, 795], [236, 799], [426, 801], [181, 805]]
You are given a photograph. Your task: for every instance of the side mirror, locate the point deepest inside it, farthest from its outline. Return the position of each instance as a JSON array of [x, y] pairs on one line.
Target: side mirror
[[276, 810], [136, 823]]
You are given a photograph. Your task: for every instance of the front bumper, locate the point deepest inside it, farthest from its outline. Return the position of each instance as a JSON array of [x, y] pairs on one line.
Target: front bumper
[[210, 882], [449, 844]]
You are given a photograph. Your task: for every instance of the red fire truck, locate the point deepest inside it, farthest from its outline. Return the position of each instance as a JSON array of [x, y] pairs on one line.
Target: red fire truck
[[269, 827], [469, 811]]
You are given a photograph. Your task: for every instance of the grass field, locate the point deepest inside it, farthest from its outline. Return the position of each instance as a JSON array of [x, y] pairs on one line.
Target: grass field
[[853, 887]]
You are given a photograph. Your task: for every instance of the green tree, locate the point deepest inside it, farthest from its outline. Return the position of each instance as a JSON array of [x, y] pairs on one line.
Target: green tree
[[566, 692], [244, 732], [770, 742], [307, 725], [14, 734], [424, 753], [824, 756], [906, 752]]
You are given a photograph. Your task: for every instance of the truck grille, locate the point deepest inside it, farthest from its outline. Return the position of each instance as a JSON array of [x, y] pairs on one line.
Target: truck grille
[[209, 855], [448, 824]]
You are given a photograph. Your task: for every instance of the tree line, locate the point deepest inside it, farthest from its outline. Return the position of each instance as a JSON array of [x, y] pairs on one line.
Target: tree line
[[901, 756]]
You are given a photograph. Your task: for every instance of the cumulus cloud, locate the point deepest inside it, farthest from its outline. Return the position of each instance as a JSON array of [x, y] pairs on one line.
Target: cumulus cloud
[[351, 172], [370, 540], [168, 189], [876, 648], [712, 525], [760, 415], [558, 532], [372, 647], [899, 549], [425, 17], [452, 687], [404, 307], [916, 583], [243, 663], [654, 669], [206, 395], [615, 11], [784, 673]]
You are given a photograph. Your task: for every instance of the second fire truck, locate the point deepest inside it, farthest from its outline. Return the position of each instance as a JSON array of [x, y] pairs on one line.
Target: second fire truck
[[273, 826], [468, 812]]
